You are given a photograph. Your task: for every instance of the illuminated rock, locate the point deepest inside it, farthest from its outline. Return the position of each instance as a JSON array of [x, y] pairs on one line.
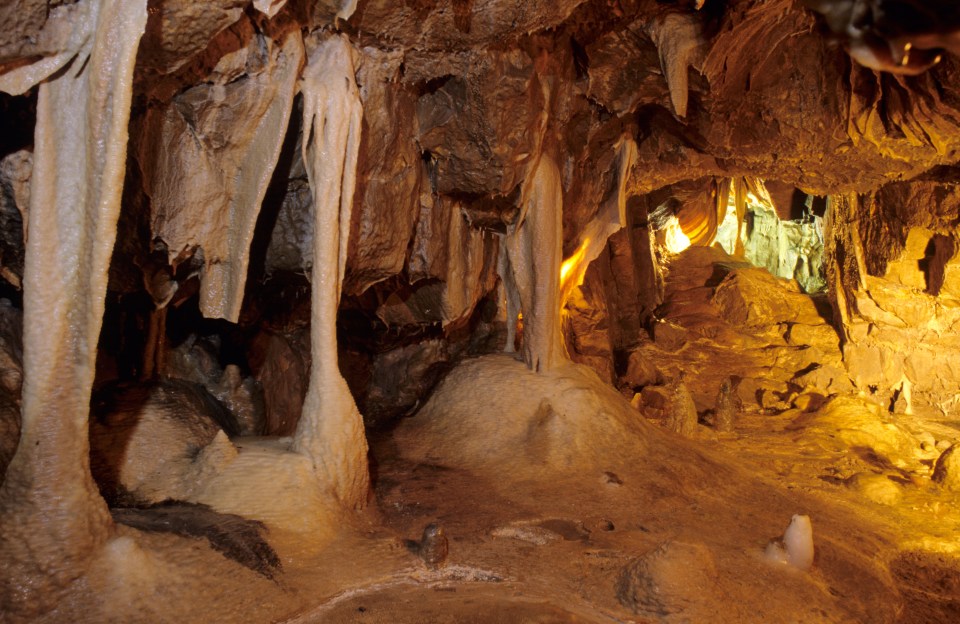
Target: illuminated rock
[[946, 472]]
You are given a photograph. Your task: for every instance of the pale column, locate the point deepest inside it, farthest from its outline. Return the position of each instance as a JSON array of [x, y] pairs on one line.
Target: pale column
[[534, 250], [52, 517], [331, 431]]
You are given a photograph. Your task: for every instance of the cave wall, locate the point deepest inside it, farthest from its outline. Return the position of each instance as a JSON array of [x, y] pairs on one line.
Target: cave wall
[[902, 340], [458, 102]]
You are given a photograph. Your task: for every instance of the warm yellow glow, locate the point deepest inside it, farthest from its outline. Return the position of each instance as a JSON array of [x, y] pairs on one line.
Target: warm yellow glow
[[572, 265], [674, 238]]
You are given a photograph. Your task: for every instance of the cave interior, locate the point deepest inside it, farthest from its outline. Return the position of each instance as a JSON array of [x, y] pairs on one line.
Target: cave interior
[[480, 311]]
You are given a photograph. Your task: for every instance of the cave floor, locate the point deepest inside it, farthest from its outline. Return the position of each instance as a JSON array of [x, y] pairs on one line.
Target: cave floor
[[656, 528], [694, 516], [562, 503], [556, 549]]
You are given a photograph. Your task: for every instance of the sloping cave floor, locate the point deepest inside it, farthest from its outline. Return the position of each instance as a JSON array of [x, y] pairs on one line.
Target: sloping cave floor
[[532, 544], [556, 549]]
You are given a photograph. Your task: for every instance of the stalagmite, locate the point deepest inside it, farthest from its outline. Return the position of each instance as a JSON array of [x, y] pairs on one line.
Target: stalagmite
[[534, 252], [52, 517], [330, 431], [209, 157]]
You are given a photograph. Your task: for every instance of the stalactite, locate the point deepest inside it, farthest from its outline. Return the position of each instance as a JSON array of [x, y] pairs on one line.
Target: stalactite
[[330, 431], [611, 218], [52, 517], [511, 298], [269, 7], [66, 33], [677, 37], [207, 177], [843, 259], [740, 205], [465, 267], [534, 253]]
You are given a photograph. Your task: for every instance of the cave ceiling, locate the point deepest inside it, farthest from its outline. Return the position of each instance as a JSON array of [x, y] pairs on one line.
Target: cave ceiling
[[459, 98]]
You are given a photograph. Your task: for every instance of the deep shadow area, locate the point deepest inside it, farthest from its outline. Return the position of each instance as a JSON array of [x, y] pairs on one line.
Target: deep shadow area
[[236, 538]]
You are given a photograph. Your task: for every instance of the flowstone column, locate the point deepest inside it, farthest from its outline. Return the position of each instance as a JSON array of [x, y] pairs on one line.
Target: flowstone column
[[330, 431], [52, 518], [843, 259], [534, 252]]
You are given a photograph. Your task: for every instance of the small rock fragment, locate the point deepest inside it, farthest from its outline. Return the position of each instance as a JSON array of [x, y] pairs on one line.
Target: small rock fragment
[[434, 546], [612, 478], [599, 524], [946, 471], [927, 442], [681, 410]]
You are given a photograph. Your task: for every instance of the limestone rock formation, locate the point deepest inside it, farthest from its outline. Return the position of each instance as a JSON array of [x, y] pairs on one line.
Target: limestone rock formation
[[79, 159], [681, 411], [206, 181], [947, 470], [674, 576], [333, 205], [157, 442]]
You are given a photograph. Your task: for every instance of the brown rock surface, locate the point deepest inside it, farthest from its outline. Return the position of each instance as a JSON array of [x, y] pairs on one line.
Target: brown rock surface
[[206, 180], [947, 469]]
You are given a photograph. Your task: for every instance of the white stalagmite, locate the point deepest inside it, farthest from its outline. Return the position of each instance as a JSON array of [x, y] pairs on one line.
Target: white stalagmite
[[534, 251], [330, 431], [52, 517], [795, 548]]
